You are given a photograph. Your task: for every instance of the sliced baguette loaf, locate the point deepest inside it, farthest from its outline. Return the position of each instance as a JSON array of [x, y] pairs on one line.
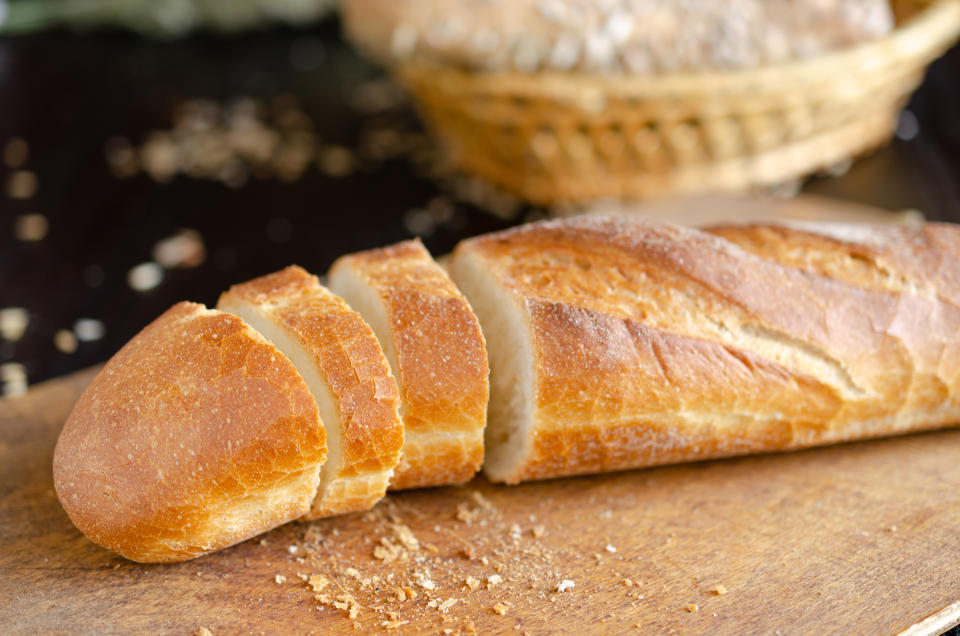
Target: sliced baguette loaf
[[196, 435], [436, 350], [341, 361], [617, 344]]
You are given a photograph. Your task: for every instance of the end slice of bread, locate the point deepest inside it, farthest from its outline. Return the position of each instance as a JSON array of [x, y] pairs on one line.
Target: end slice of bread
[[196, 435]]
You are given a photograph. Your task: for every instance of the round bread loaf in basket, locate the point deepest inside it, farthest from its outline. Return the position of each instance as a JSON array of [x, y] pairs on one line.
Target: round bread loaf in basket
[[572, 136]]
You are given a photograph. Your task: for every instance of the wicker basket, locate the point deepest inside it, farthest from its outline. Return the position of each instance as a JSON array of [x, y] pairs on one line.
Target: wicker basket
[[570, 137]]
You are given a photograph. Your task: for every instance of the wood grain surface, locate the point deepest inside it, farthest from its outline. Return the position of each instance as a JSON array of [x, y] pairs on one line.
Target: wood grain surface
[[859, 538]]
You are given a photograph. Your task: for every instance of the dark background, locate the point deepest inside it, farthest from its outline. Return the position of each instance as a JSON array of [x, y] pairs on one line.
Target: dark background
[[66, 94]]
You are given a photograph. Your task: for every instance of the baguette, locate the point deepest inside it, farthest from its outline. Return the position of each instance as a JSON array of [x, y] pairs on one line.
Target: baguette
[[618, 344], [196, 435], [435, 347], [338, 355]]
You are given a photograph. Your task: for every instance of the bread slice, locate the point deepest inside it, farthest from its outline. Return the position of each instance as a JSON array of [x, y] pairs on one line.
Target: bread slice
[[341, 361], [437, 353], [617, 344], [196, 435]]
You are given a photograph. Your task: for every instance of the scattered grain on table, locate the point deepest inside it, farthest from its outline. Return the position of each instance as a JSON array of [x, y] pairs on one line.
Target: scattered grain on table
[[31, 228], [16, 152]]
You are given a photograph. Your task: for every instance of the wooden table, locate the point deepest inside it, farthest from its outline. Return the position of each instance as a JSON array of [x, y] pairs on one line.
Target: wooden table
[[858, 538]]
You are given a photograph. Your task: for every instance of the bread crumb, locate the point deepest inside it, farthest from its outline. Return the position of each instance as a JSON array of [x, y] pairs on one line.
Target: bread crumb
[[494, 580], [393, 624], [627, 582], [423, 580], [31, 228], [65, 341], [466, 514], [410, 593], [692, 607], [387, 551], [21, 184], [203, 631], [13, 323], [472, 582], [406, 537], [16, 152], [538, 531], [447, 604], [292, 549], [280, 579], [469, 626], [318, 582], [609, 548], [500, 609], [719, 590], [565, 585]]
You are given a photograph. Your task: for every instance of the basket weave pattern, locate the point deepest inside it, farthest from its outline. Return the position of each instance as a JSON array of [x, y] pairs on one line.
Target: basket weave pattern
[[569, 137]]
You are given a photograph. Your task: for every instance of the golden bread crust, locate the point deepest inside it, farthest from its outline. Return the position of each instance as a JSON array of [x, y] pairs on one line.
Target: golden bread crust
[[441, 361], [187, 431], [655, 344], [352, 365]]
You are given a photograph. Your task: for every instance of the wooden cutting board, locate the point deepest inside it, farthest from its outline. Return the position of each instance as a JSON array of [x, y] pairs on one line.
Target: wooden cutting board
[[860, 538]]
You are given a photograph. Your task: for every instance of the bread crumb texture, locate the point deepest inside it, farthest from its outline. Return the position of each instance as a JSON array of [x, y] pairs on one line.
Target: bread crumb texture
[[481, 568]]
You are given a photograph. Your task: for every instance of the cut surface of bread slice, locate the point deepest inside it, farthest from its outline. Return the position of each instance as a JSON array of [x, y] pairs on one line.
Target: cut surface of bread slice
[[341, 361], [196, 435], [616, 343], [436, 350]]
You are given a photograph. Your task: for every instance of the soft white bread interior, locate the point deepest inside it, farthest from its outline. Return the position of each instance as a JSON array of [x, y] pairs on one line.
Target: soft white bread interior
[[196, 435], [341, 361], [437, 353], [616, 343], [506, 327]]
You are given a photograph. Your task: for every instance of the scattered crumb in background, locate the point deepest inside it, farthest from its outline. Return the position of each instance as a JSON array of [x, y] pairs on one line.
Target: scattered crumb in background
[[13, 323], [609, 548], [500, 608], [21, 184], [65, 341], [145, 276], [719, 590], [88, 329], [16, 152], [280, 579], [225, 142], [336, 161], [203, 631], [565, 584], [13, 379], [31, 227], [185, 249], [692, 607]]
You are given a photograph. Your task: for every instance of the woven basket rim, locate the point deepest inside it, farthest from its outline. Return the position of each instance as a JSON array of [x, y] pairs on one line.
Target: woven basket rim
[[922, 38]]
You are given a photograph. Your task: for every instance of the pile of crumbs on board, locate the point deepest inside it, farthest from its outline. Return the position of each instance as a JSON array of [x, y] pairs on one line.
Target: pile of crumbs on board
[[478, 566]]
